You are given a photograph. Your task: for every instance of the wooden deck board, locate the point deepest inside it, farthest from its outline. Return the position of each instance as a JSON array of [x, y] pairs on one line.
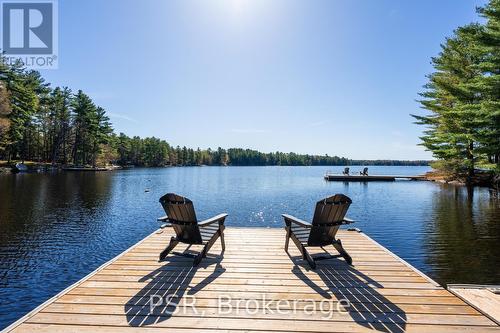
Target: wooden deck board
[[256, 278], [485, 298]]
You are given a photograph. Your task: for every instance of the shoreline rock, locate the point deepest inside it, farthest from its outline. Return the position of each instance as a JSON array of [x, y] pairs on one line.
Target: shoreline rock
[[481, 179], [5, 170]]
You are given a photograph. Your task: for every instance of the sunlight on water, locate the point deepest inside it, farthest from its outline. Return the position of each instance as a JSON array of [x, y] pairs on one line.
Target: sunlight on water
[[56, 228]]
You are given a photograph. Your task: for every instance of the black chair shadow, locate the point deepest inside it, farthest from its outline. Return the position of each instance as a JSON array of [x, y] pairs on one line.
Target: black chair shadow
[[367, 307], [166, 287]]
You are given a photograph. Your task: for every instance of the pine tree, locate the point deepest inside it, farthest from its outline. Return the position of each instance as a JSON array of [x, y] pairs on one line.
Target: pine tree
[[101, 133], [453, 97], [84, 124], [24, 103], [5, 110], [490, 82], [60, 122]]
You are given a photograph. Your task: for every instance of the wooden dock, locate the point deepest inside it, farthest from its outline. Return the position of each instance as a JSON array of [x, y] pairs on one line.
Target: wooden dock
[[485, 298], [256, 277], [370, 178]]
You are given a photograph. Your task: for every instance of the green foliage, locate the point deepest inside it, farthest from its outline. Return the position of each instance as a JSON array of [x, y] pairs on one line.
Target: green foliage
[[20, 85], [54, 125], [462, 96], [5, 110], [59, 124], [156, 152], [45, 124]]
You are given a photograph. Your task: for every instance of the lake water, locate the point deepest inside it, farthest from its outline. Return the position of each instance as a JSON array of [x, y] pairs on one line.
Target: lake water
[[56, 228]]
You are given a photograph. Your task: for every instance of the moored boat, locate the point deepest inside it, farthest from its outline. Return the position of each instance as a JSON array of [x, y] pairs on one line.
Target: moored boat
[[19, 167]]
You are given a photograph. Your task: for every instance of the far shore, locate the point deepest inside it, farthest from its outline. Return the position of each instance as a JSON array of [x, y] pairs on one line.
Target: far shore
[[482, 178], [35, 165]]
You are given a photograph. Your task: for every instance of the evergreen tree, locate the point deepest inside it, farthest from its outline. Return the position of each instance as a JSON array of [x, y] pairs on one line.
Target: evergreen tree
[[453, 97], [53, 125], [5, 111], [23, 102], [490, 82], [84, 124], [60, 122], [463, 97], [101, 134]]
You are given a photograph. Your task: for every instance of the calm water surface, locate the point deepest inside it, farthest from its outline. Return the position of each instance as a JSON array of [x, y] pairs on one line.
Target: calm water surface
[[56, 228]]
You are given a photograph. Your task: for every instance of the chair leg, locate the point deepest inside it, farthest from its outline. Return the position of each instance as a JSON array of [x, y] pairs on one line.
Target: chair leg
[[308, 257], [206, 248], [200, 256], [173, 243], [222, 242], [287, 240], [338, 246], [303, 251]]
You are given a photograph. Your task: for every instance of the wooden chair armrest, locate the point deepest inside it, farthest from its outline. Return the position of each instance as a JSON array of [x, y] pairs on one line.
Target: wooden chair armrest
[[348, 221], [293, 219], [162, 219], [219, 218]]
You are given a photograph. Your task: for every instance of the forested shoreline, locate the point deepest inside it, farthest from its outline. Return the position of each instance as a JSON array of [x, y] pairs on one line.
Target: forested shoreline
[[58, 126], [462, 98]]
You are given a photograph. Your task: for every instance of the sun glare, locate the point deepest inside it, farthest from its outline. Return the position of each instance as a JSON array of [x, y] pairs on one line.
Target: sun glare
[[239, 7], [240, 10]]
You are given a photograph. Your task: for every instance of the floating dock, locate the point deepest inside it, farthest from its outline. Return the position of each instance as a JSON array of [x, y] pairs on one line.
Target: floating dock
[[242, 290], [369, 178]]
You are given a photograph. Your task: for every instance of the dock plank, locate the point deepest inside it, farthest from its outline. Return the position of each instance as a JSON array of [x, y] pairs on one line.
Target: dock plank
[[243, 289], [485, 298]]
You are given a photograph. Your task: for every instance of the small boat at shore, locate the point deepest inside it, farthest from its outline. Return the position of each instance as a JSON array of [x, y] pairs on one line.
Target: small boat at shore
[[20, 167]]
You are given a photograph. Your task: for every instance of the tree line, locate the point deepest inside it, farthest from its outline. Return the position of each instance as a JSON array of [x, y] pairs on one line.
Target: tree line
[[56, 125], [156, 152], [38, 123], [462, 98]]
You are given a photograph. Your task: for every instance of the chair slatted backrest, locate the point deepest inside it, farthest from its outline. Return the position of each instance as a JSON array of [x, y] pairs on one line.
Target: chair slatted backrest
[[328, 217], [181, 214], [365, 171]]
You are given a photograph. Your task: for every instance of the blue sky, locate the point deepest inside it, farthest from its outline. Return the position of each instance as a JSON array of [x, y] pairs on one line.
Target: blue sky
[[320, 77]]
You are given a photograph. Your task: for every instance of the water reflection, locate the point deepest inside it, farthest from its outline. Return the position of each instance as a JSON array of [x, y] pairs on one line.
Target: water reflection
[[56, 228], [463, 237], [31, 202], [47, 229]]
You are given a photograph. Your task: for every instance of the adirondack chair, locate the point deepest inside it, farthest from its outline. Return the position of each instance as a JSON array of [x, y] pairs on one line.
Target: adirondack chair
[[364, 172], [182, 217], [329, 215], [346, 172]]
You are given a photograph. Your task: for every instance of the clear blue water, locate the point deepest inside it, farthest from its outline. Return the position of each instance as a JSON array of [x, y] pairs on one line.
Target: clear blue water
[[56, 228]]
